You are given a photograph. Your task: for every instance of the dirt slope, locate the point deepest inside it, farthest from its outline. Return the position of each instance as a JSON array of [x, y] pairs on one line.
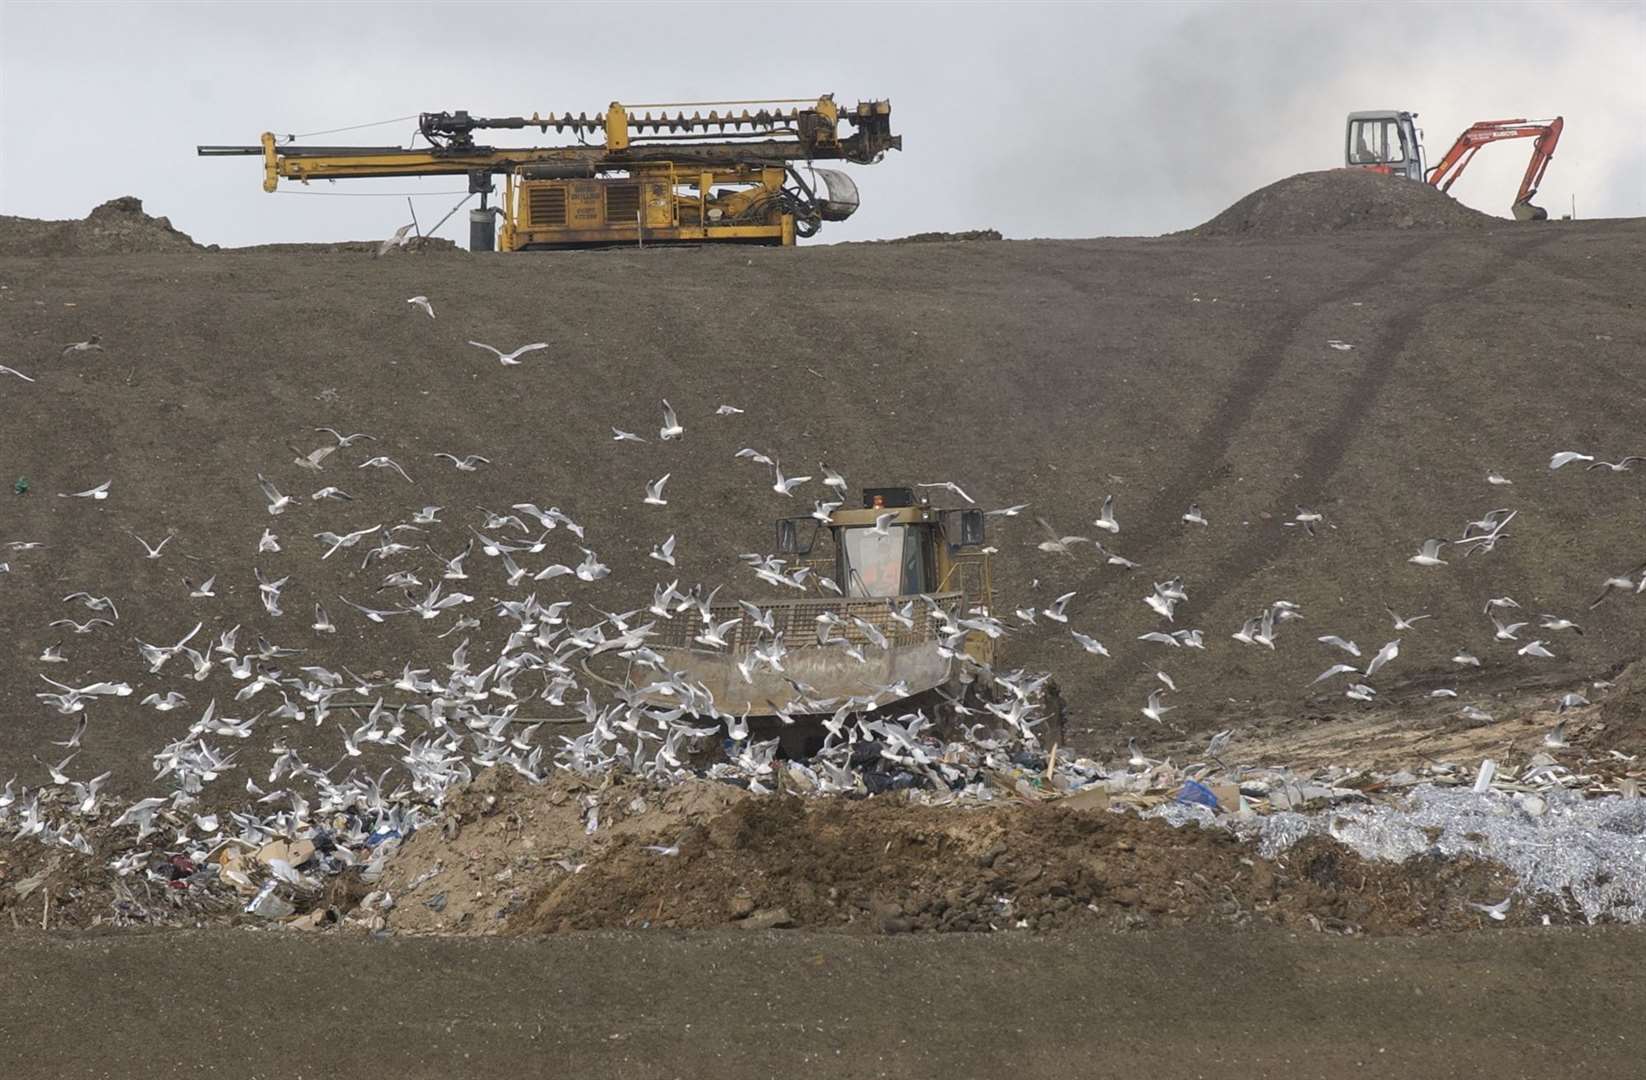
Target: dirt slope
[[1163, 371]]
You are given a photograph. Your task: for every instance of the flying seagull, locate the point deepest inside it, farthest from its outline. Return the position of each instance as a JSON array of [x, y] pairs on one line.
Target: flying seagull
[[952, 488], [510, 359], [346, 440], [420, 301], [4, 370], [467, 463], [100, 492], [91, 344], [277, 501], [672, 428], [381, 462], [1429, 553]]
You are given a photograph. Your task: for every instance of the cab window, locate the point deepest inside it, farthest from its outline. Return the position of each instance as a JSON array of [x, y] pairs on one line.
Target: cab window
[[882, 565], [1376, 142]]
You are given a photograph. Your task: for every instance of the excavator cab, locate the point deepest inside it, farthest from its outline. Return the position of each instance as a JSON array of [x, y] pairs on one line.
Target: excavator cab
[[1386, 141]]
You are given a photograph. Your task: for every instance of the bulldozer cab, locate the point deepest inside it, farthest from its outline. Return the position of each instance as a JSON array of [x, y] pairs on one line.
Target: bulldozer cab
[[899, 546], [1385, 141]]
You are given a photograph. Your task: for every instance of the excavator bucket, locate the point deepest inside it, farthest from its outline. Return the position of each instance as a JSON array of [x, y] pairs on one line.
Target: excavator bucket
[[1525, 211]]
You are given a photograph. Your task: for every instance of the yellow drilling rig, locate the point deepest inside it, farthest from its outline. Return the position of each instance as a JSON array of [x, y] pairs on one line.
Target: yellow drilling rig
[[730, 175]]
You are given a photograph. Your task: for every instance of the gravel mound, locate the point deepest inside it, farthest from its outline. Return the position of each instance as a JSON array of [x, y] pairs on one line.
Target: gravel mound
[[118, 227], [1334, 200]]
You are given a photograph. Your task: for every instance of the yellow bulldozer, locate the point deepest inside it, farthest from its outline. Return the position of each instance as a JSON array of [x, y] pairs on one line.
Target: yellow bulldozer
[[900, 595]]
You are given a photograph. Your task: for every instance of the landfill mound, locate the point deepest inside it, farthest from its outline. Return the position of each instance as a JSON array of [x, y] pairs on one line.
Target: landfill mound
[[118, 227], [1163, 372], [1334, 200]]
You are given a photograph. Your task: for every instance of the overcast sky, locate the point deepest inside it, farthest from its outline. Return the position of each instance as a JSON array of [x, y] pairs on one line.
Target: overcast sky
[[1058, 120]]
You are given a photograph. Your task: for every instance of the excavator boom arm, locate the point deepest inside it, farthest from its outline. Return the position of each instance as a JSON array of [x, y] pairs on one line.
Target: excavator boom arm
[[1546, 132]]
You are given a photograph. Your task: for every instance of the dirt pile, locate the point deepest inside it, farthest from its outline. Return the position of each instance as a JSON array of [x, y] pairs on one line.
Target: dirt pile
[[968, 236], [118, 227], [508, 859], [1334, 200]]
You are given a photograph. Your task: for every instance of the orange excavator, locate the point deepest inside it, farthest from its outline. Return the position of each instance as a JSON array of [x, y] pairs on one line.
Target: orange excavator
[[1388, 141]]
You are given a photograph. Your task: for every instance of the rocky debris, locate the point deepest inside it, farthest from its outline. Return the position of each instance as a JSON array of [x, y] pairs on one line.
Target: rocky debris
[[1335, 200], [417, 245], [118, 227]]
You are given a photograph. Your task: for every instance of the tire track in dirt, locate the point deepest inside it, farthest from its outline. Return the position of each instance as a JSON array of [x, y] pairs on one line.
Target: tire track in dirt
[[1324, 452]]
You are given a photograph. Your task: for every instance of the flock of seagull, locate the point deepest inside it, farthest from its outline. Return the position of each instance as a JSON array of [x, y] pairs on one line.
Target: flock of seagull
[[435, 724]]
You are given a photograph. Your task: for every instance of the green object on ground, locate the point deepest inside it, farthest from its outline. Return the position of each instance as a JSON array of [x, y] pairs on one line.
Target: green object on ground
[[22, 485]]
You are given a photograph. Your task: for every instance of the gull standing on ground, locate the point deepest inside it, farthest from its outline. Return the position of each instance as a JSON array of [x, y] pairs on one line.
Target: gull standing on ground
[[728, 410], [1194, 516], [510, 359]]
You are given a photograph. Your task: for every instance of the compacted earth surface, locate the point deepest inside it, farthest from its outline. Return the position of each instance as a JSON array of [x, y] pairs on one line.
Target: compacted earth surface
[[1329, 371]]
